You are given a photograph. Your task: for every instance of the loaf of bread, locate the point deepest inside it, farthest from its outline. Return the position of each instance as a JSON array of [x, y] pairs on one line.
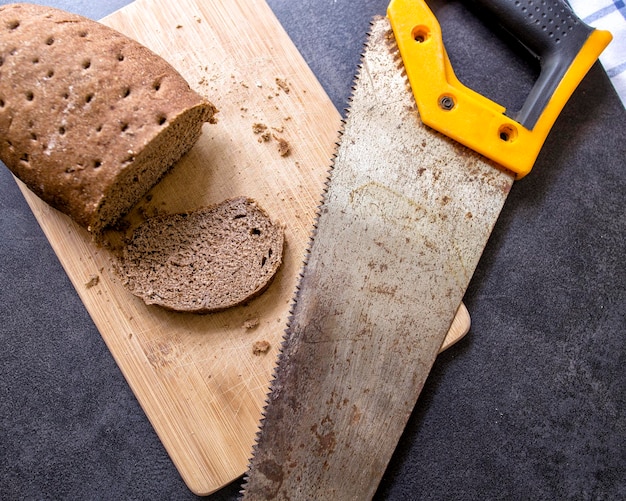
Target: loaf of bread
[[202, 261], [90, 120]]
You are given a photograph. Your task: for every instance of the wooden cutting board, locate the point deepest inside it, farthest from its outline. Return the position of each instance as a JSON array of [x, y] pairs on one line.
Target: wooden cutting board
[[198, 378]]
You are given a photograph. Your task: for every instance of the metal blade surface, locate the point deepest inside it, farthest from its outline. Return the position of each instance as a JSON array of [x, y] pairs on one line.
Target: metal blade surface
[[404, 221]]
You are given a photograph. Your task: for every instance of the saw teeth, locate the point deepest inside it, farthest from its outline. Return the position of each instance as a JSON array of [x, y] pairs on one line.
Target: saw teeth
[[290, 317], [392, 45]]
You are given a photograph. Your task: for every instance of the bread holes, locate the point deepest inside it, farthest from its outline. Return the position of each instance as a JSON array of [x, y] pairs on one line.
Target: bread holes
[[71, 75], [255, 231], [266, 258], [13, 25], [25, 158]]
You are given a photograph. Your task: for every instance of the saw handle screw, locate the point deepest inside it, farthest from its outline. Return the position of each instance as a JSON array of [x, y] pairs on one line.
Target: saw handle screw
[[508, 133], [420, 34], [446, 102]]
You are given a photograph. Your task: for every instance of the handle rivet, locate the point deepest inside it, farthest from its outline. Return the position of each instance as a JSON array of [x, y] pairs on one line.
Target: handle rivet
[[446, 103]]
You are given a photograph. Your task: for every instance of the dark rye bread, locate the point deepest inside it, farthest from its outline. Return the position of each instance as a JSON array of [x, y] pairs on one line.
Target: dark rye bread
[[202, 261], [90, 120]]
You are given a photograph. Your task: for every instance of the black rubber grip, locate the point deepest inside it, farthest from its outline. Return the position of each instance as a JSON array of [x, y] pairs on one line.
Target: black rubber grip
[[550, 31]]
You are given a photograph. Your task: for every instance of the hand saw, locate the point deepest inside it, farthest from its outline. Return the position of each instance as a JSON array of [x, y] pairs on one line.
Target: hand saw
[[404, 220]]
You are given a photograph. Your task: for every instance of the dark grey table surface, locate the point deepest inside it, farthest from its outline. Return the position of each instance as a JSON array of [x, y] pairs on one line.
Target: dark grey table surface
[[530, 405]]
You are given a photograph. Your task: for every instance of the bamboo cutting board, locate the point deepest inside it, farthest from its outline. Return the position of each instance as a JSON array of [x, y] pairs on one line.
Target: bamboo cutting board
[[198, 379]]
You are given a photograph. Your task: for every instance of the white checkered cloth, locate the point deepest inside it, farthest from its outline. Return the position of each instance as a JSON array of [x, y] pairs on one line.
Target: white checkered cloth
[[608, 15]]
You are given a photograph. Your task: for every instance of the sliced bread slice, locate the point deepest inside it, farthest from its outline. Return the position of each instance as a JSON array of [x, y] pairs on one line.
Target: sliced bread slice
[[90, 120], [202, 261]]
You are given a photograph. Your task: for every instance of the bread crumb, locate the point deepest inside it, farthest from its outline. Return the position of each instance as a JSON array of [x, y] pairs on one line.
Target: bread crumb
[[93, 281], [282, 84], [251, 323], [257, 128], [261, 347], [262, 130], [283, 146]]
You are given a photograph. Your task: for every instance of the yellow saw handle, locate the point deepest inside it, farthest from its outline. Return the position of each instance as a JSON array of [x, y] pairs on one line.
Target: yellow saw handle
[[565, 46]]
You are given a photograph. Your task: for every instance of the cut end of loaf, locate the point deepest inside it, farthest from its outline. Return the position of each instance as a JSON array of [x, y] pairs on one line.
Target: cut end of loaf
[[144, 170], [203, 261]]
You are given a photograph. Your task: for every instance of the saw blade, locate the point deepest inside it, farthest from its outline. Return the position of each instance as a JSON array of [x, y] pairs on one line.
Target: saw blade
[[405, 218]]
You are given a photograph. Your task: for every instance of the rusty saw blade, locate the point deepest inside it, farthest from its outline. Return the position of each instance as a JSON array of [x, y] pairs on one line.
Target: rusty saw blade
[[404, 221]]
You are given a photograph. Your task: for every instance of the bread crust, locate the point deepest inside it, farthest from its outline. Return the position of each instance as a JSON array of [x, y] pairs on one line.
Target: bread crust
[[81, 109]]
